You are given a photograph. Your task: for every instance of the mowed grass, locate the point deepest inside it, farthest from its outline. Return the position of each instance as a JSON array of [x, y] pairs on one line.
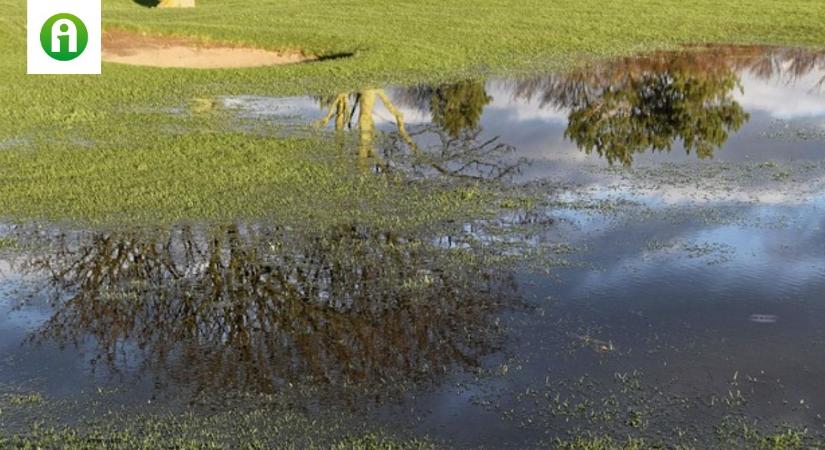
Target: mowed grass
[[219, 177], [79, 147]]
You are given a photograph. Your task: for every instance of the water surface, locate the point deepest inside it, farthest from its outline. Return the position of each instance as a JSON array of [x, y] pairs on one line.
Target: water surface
[[668, 280]]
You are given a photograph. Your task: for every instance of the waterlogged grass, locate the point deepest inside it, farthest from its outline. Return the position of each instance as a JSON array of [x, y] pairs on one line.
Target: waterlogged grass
[[218, 176], [72, 440], [126, 147], [32, 421], [259, 430], [787, 439], [177, 434], [29, 420], [33, 398], [107, 163], [6, 243]]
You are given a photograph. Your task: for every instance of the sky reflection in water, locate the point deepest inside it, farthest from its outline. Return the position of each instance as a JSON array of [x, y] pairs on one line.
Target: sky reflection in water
[[691, 186]]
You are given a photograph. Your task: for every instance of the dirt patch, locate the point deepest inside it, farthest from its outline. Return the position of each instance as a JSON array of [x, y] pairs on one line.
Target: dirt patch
[[159, 51]]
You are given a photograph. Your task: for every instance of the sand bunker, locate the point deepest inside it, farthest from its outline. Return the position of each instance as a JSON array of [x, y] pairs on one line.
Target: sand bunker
[[157, 51]]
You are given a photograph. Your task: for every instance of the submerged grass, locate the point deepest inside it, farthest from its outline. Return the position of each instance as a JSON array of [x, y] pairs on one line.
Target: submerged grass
[[787, 439], [173, 434], [31, 421], [75, 148], [260, 429]]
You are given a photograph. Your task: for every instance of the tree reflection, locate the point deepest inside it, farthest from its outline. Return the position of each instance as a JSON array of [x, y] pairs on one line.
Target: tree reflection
[[786, 64], [455, 107], [451, 145], [616, 109], [652, 112], [254, 307], [650, 103], [468, 155], [364, 102], [647, 104]]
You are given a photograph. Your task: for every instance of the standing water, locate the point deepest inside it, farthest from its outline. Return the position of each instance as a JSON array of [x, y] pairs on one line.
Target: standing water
[[665, 281]]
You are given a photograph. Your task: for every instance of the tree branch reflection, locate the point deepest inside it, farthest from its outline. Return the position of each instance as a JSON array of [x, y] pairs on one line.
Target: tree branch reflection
[[256, 307]]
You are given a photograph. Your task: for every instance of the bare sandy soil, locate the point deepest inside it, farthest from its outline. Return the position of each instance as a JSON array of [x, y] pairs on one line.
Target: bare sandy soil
[[161, 51]]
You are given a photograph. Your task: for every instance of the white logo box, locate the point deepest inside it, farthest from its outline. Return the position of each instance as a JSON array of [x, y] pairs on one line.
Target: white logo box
[[38, 12]]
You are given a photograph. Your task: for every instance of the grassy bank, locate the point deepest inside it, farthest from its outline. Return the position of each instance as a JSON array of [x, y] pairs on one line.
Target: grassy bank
[[83, 148]]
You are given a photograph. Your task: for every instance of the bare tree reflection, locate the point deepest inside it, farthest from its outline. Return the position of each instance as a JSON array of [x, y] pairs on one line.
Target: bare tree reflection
[[468, 155], [254, 307], [789, 65]]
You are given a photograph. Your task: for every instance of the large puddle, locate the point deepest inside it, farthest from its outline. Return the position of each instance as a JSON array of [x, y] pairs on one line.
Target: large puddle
[[678, 294]]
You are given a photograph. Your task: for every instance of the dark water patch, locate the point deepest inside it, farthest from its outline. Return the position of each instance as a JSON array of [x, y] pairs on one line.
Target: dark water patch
[[251, 308]]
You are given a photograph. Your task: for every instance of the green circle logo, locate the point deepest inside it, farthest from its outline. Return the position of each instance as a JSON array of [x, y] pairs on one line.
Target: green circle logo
[[64, 37]]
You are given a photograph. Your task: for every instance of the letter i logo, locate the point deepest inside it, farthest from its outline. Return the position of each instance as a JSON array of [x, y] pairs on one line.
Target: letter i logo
[[64, 37]]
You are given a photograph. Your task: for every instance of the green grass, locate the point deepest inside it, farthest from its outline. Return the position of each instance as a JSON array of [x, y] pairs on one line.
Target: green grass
[[79, 148], [219, 177]]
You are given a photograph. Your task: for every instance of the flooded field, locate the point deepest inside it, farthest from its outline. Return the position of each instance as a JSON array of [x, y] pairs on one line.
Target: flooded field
[[662, 277]]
